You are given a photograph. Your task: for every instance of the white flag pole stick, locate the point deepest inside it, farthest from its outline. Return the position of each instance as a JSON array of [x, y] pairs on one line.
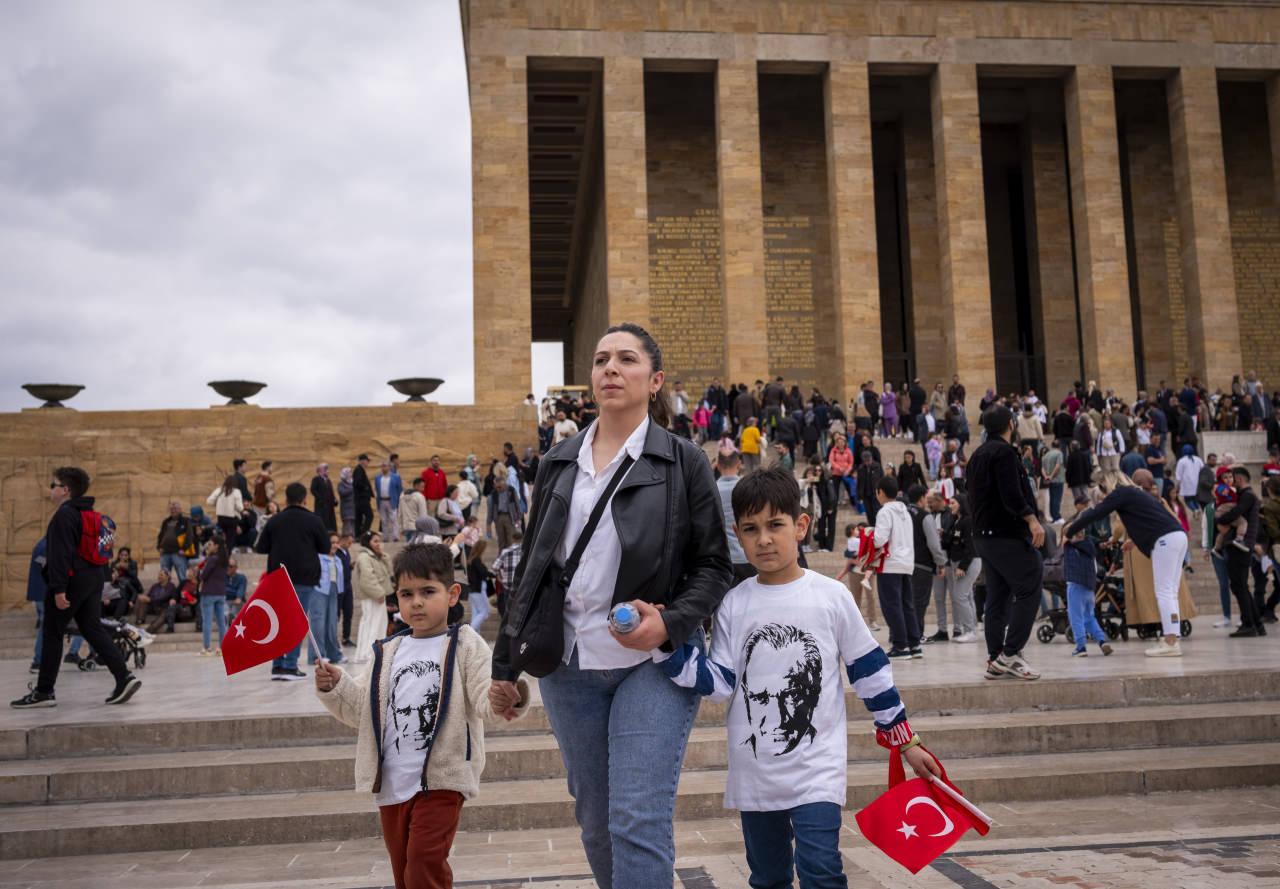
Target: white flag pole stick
[[314, 644], [968, 806]]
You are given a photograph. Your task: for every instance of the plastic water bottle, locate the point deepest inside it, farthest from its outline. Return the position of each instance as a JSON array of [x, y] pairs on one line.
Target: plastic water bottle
[[624, 617]]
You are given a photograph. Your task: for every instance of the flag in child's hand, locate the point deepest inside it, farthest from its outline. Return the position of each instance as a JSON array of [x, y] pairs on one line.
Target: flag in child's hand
[[916, 821], [271, 623]]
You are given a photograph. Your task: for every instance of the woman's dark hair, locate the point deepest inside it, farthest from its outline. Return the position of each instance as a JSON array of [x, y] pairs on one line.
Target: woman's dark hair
[[963, 501], [477, 550], [73, 478], [367, 538], [774, 489], [425, 561], [448, 492], [228, 484], [908, 453], [659, 406]]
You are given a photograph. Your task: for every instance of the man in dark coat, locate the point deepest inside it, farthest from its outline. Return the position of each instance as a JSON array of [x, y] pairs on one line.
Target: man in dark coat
[[324, 498]]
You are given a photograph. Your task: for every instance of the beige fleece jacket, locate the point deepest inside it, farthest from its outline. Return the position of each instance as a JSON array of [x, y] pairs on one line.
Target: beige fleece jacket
[[457, 753]]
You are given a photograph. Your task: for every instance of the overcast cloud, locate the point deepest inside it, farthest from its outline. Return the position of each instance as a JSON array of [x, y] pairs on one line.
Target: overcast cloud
[[192, 191]]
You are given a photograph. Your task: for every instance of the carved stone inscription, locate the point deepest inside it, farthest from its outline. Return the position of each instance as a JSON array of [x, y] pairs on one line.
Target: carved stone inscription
[[684, 295], [788, 281]]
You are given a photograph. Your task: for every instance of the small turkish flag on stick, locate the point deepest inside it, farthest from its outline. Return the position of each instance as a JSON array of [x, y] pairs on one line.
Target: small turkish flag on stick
[[916, 821], [271, 623]]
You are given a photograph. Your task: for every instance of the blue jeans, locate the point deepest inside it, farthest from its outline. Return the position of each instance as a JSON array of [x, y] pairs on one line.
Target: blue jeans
[[622, 735], [213, 608], [176, 565], [1055, 500], [289, 660], [322, 614], [1224, 582], [35, 658], [815, 828], [1080, 612], [897, 603]]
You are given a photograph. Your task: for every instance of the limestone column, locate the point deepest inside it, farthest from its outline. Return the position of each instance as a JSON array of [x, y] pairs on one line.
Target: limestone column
[[1200, 188], [966, 333], [741, 220], [931, 363], [851, 194], [626, 201], [1052, 258], [1273, 119], [500, 225], [1102, 267]]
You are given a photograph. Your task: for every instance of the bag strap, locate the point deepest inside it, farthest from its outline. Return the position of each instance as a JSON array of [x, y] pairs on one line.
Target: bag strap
[[571, 566]]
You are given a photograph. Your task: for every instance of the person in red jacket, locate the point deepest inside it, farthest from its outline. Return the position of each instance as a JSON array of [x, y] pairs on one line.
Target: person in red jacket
[[435, 483]]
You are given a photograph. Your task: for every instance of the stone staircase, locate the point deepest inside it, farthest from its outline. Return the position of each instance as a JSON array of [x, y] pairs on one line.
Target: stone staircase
[[153, 783]]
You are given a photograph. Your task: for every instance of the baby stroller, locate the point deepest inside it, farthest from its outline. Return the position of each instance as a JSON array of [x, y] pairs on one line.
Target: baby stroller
[[130, 640]]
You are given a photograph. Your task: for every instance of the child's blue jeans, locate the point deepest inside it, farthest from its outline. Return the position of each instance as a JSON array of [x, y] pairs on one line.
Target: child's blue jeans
[[815, 829], [1080, 612]]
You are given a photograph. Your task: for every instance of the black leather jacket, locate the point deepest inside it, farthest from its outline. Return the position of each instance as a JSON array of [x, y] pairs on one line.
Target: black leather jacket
[[668, 518]]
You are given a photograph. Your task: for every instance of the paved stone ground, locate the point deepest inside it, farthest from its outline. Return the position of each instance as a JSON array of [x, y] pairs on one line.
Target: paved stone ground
[[1205, 840]]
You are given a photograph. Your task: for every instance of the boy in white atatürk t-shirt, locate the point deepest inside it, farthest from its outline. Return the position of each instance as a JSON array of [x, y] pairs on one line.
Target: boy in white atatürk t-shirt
[[782, 646], [420, 749]]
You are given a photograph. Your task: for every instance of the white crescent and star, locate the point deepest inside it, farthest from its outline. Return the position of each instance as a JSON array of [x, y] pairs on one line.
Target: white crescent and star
[[909, 830], [275, 628]]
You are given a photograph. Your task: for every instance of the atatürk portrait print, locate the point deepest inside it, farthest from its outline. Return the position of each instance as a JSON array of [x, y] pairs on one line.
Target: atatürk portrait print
[[415, 700], [781, 684]]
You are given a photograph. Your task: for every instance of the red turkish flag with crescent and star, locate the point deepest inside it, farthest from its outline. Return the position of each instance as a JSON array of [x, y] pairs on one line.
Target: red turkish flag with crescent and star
[[271, 623], [914, 821]]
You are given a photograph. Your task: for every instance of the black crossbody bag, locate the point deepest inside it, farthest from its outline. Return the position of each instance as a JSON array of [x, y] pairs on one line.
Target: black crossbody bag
[[538, 646]]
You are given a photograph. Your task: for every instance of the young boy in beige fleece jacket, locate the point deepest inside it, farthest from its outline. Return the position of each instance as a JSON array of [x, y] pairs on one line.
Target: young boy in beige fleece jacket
[[421, 744]]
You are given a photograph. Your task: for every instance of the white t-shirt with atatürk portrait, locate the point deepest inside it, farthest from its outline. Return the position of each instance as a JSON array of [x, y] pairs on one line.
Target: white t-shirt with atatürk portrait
[[409, 723], [789, 645]]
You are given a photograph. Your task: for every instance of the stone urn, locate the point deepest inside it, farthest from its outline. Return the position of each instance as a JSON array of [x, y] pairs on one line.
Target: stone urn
[[237, 390], [53, 394], [415, 387]]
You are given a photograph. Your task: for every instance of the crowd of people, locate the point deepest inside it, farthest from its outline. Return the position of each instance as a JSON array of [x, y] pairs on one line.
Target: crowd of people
[[694, 513]]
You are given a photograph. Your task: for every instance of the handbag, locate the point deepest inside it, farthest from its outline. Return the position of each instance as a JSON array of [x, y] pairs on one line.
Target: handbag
[[537, 646]]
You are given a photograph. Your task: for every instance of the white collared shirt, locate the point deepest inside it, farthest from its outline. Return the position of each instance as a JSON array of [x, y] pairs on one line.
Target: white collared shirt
[[590, 594]]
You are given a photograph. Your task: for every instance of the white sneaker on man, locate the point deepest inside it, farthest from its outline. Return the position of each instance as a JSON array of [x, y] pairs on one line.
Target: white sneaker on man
[[965, 637], [1224, 622], [1165, 649]]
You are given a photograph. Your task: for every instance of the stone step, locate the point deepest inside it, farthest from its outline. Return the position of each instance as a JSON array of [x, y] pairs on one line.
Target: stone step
[[981, 697], [519, 757], [32, 831]]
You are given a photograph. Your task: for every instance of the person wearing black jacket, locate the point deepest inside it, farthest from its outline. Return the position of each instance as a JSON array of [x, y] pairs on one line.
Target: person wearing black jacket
[[1158, 536], [363, 490], [346, 601], [324, 499], [660, 545], [1079, 470], [1007, 537], [1239, 553], [74, 592], [294, 538], [963, 568]]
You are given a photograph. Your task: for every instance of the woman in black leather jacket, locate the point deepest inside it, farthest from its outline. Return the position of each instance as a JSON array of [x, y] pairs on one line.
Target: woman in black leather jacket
[[621, 724]]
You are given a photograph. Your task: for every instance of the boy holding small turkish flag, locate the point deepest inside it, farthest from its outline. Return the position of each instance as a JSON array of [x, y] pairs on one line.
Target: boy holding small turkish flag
[[420, 709], [784, 644]]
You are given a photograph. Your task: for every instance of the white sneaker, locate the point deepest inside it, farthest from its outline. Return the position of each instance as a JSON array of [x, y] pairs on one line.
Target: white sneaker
[[965, 637], [1219, 624], [1164, 649], [1015, 666]]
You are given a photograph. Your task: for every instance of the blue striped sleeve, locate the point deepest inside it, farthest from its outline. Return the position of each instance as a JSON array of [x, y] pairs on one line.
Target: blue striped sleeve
[[872, 679], [688, 667]]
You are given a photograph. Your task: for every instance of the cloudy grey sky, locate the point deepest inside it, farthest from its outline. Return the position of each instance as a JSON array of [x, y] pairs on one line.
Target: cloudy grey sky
[[204, 190]]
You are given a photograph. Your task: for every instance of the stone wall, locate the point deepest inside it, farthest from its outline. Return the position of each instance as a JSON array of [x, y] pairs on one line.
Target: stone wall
[[140, 460]]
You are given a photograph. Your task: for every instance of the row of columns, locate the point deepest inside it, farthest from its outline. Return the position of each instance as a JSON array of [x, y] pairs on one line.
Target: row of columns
[[953, 309]]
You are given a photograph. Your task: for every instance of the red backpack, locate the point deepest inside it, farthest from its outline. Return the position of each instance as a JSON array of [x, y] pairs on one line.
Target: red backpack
[[97, 537]]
